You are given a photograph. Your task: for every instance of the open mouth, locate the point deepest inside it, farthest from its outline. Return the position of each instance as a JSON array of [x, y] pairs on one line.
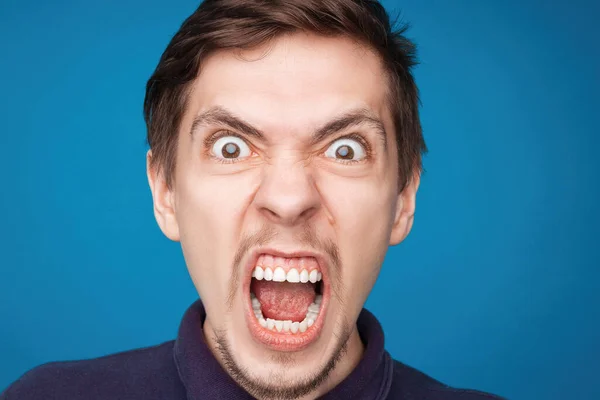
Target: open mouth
[[286, 300]]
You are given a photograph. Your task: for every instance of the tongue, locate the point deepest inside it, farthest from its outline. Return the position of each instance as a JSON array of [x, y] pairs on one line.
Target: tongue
[[284, 300]]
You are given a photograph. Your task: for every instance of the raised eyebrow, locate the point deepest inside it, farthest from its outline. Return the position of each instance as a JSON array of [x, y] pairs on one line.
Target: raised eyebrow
[[221, 116], [350, 119]]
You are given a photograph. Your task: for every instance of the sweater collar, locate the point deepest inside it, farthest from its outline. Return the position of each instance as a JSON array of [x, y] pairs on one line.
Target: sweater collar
[[204, 378]]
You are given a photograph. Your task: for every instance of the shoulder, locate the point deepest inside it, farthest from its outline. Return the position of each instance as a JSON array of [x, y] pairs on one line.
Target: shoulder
[[410, 383], [147, 373]]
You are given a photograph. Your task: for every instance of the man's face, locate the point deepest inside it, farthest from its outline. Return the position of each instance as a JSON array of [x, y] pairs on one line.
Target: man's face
[[286, 161]]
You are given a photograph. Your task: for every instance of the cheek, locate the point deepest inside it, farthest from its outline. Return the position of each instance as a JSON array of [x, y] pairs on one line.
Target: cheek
[[210, 211], [363, 213]]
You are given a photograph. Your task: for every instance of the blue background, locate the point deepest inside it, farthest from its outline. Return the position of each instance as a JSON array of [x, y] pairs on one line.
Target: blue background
[[497, 286]]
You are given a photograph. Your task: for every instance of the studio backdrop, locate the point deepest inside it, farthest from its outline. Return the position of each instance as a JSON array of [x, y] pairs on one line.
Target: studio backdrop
[[503, 252]]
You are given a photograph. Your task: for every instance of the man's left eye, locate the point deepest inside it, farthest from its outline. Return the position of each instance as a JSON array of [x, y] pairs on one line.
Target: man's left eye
[[346, 149]]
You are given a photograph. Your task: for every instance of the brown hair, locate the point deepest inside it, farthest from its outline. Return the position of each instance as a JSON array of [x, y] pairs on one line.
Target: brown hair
[[242, 24]]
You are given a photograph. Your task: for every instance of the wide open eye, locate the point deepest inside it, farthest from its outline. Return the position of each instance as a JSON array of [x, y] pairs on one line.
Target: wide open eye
[[230, 148], [346, 149]]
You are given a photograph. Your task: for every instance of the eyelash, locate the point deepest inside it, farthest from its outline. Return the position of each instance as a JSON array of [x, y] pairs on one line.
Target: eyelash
[[210, 141]]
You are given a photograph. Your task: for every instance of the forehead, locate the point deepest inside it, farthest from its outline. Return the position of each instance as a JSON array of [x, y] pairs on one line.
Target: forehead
[[292, 82]]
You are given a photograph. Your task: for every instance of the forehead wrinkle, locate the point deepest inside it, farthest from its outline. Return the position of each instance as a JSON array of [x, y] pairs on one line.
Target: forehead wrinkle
[[269, 67]]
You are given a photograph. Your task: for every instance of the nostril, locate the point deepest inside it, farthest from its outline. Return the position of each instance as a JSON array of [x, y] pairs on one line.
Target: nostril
[[308, 213], [290, 216], [271, 213]]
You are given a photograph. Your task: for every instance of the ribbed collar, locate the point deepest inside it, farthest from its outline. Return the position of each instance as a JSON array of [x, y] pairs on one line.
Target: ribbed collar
[[204, 378]]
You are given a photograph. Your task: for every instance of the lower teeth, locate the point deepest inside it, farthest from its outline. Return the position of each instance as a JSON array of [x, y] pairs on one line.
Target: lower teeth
[[288, 325]]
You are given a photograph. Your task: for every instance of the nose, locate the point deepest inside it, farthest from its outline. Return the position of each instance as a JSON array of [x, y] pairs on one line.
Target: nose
[[287, 194]]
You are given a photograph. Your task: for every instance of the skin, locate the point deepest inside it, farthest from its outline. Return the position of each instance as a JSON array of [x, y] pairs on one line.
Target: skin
[[288, 186]]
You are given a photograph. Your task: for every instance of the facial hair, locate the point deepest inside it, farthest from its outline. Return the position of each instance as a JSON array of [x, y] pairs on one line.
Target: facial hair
[[260, 388], [286, 390]]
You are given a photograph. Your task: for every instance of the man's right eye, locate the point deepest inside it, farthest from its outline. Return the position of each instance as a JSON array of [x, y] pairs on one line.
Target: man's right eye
[[230, 148]]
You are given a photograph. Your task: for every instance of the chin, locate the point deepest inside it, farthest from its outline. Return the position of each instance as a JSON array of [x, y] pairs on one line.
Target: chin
[[284, 339]]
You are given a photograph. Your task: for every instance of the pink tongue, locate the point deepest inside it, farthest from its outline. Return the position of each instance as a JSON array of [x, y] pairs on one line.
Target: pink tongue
[[284, 300]]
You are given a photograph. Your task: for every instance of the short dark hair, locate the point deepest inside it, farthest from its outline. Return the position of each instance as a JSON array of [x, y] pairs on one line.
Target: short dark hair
[[243, 24]]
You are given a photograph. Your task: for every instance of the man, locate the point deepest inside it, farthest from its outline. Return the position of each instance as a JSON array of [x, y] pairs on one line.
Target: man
[[285, 156]]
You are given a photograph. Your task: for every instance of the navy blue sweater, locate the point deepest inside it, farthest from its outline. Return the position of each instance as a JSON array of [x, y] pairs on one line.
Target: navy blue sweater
[[185, 369]]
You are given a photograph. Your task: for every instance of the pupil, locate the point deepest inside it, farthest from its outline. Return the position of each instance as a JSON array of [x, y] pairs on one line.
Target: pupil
[[231, 150], [345, 152]]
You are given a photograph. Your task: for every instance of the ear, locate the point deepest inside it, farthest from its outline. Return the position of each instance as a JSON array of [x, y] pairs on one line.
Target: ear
[[163, 198], [405, 210]]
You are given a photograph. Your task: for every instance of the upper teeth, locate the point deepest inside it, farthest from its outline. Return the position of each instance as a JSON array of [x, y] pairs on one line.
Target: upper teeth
[[293, 275]]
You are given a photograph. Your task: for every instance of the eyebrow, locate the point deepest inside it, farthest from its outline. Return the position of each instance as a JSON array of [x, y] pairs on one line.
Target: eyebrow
[[221, 116], [349, 119]]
